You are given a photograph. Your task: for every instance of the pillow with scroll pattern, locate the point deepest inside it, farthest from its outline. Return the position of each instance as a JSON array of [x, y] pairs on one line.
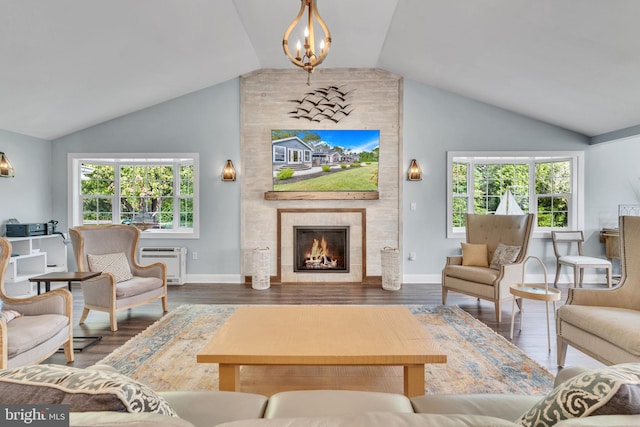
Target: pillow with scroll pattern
[[607, 391], [83, 390]]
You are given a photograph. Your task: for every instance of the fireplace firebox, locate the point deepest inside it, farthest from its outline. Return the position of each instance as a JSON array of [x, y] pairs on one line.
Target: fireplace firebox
[[321, 249]]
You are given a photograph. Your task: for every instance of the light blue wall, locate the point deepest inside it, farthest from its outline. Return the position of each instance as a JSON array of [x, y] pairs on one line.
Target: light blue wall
[[436, 121], [27, 197], [206, 122], [613, 178]]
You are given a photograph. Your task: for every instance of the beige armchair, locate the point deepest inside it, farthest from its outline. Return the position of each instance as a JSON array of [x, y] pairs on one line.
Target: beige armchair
[[112, 291], [603, 323], [44, 324], [491, 284]]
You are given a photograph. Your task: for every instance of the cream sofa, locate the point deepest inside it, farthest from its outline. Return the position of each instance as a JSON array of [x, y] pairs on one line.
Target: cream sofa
[[342, 408]]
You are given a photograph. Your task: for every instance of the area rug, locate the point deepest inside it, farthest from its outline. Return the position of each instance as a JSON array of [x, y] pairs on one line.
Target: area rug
[[479, 360]]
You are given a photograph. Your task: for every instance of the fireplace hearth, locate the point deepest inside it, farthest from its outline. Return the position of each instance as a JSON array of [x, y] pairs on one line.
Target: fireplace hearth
[[320, 249]]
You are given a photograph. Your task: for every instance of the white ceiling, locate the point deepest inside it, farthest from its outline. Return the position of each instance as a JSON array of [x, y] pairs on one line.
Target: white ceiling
[[69, 64]]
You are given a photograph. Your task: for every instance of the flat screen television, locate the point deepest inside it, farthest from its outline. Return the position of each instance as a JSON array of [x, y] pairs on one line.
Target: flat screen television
[[325, 160]]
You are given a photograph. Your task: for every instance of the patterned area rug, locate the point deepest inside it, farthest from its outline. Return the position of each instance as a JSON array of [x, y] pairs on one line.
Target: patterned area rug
[[479, 360]]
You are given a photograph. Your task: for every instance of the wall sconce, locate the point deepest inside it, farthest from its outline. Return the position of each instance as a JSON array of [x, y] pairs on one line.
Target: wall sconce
[[414, 173], [229, 172], [6, 170]]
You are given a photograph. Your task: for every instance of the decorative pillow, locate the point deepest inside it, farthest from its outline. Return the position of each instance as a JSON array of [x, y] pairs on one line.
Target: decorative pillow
[[611, 390], [475, 254], [9, 315], [116, 264], [504, 255], [84, 390]]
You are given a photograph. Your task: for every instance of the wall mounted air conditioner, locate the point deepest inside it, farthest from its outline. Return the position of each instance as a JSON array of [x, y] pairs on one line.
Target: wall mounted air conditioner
[[174, 258]]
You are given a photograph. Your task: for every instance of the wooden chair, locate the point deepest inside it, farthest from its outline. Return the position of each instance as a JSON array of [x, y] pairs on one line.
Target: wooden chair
[[44, 325], [578, 262], [106, 292]]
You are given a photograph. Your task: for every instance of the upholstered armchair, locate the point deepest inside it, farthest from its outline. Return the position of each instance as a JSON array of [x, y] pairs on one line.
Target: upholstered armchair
[[43, 323], [123, 284], [496, 248], [603, 323]]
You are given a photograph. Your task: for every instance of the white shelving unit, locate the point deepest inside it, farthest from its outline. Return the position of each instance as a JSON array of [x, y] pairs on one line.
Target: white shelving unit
[[33, 256]]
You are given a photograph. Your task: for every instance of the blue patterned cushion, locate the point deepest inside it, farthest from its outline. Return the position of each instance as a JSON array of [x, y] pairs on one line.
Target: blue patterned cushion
[[607, 391], [84, 390]]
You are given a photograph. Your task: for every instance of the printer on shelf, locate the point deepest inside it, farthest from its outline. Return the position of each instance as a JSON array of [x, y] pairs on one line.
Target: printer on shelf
[[26, 230]]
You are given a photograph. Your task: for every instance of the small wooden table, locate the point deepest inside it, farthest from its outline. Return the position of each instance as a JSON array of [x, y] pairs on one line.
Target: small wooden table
[[322, 335], [62, 276], [611, 239], [65, 276]]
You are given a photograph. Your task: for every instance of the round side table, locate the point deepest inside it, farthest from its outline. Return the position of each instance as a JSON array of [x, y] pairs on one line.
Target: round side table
[[536, 292]]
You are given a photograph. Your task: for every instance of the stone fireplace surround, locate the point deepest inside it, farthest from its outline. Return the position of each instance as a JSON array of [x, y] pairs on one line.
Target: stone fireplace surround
[[289, 218], [323, 249], [265, 103]]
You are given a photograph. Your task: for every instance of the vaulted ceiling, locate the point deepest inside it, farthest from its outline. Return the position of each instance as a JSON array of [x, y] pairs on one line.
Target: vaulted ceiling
[[69, 64]]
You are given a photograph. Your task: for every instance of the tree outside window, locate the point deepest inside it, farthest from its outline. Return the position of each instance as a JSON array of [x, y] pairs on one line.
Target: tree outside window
[[97, 190], [553, 192]]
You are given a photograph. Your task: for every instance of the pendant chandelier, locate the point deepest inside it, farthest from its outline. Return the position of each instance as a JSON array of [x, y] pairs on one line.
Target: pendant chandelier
[[306, 55]]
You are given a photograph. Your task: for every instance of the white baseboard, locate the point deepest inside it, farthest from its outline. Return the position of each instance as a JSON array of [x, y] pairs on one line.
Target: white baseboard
[[407, 278], [422, 278], [529, 278], [214, 278]]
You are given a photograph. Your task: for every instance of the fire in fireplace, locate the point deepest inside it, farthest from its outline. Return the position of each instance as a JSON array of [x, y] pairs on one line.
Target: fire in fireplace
[[321, 249]]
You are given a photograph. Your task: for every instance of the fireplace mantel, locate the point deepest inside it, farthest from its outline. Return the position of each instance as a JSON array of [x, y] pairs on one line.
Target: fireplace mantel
[[321, 195]]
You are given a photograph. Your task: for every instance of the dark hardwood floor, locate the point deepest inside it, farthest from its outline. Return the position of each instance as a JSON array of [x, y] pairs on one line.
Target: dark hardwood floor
[[532, 339]]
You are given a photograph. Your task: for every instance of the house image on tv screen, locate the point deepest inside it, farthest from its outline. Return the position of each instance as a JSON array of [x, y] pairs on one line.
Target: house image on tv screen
[[325, 160]]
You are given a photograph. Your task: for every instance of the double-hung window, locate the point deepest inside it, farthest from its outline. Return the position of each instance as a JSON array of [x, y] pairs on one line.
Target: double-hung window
[[549, 184], [156, 193]]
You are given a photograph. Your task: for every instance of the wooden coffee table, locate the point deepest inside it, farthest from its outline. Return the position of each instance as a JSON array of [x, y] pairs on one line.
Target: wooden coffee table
[[322, 335]]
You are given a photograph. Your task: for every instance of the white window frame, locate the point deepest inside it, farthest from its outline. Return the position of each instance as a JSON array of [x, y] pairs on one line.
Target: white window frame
[[74, 161], [279, 150], [576, 204]]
